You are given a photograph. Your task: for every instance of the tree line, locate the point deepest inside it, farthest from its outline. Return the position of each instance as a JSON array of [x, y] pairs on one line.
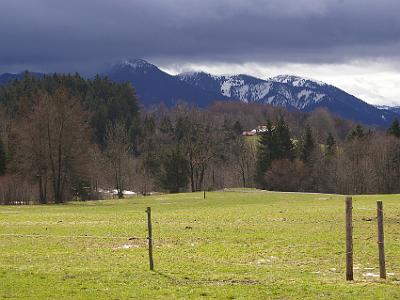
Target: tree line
[[63, 137], [365, 162]]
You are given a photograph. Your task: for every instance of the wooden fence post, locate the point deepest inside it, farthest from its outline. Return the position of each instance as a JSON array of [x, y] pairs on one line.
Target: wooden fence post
[[150, 238], [381, 240], [204, 195], [349, 238]]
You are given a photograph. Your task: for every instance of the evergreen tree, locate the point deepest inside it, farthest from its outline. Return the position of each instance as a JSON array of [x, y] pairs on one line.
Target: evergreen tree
[[238, 128], [174, 176], [263, 154], [357, 133], [330, 144], [3, 159], [394, 129], [106, 102], [307, 145], [275, 143], [282, 146], [231, 131]]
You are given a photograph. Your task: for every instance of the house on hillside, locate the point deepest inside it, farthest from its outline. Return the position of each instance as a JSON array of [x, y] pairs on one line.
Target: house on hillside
[[259, 129]]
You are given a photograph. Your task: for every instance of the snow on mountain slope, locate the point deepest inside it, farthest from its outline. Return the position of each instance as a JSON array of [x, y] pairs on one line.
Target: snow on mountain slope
[[395, 109], [298, 81], [136, 63], [290, 91], [237, 87], [155, 86]]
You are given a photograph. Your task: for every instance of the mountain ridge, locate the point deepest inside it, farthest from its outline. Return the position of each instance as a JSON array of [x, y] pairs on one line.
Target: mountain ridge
[[296, 92], [155, 86]]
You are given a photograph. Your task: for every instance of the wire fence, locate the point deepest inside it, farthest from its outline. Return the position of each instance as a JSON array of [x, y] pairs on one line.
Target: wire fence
[[338, 257]]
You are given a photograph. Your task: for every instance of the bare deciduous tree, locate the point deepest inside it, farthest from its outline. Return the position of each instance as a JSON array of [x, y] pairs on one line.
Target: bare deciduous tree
[[118, 149], [52, 139]]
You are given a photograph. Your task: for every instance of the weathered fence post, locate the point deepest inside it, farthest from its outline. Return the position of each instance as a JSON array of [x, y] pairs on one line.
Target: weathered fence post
[[381, 240], [204, 195], [150, 238], [349, 238]]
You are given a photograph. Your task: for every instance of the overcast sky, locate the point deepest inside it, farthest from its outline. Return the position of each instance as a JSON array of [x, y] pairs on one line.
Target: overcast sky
[[354, 44]]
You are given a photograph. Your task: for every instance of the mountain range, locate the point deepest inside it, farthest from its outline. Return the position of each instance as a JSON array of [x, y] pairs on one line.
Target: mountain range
[[154, 86]]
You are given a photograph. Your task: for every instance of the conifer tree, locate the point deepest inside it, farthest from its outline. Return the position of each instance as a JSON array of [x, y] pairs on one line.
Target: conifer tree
[[307, 145], [394, 129], [264, 153], [282, 145], [275, 143], [357, 133], [330, 144], [174, 175], [237, 127]]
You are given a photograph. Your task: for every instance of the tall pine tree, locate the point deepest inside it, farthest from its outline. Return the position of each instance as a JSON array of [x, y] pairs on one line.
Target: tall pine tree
[[264, 154], [307, 145], [282, 146], [275, 143]]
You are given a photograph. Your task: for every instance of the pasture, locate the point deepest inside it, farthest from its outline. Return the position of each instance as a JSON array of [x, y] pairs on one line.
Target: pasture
[[241, 244]]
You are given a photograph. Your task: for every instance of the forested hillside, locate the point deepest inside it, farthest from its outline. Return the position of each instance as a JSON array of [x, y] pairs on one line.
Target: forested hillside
[[63, 137], [106, 101], [54, 128]]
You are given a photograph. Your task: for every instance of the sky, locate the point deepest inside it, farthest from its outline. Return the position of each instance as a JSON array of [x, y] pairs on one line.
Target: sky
[[353, 44]]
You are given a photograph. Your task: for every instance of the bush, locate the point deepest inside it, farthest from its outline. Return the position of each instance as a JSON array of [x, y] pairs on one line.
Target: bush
[[286, 175]]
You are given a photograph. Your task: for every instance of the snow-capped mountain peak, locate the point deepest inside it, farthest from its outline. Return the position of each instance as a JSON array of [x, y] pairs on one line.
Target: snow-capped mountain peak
[[133, 65], [191, 74], [154, 86], [290, 91], [297, 81]]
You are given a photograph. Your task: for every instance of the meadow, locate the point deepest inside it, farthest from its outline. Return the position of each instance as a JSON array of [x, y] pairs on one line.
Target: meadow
[[240, 244]]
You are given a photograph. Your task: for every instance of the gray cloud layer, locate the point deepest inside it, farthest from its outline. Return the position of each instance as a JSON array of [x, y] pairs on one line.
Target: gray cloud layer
[[81, 34]]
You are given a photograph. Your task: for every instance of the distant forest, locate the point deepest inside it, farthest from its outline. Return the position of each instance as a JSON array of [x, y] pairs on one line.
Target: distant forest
[[63, 137]]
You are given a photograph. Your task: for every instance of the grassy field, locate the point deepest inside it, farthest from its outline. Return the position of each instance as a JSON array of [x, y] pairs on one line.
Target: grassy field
[[231, 245]]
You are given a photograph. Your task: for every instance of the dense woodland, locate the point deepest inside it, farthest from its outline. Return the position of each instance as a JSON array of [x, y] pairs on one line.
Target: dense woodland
[[63, 137]]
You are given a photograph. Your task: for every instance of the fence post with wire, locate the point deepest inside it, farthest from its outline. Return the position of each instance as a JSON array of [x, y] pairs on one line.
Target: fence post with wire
[[349, 238]]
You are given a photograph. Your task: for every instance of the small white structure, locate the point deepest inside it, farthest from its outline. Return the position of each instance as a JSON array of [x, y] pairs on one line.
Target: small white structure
[[255, 131]]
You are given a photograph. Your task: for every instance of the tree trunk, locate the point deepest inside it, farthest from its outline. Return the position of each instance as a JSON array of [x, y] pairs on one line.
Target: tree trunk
[[192, 177], [118, 182], [42, 190], [200, 186]]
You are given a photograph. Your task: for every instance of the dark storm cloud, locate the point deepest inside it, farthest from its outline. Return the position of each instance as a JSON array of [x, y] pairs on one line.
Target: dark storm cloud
[[82, 34]]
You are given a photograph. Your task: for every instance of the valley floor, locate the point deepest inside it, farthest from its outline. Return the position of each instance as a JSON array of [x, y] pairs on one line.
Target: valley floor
[[231, 245]]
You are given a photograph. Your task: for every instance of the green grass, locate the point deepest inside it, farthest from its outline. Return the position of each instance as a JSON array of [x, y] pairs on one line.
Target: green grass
[[233, 245]]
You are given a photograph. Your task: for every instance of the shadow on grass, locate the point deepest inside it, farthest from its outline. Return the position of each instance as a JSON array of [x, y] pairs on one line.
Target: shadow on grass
[[187, 280]]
